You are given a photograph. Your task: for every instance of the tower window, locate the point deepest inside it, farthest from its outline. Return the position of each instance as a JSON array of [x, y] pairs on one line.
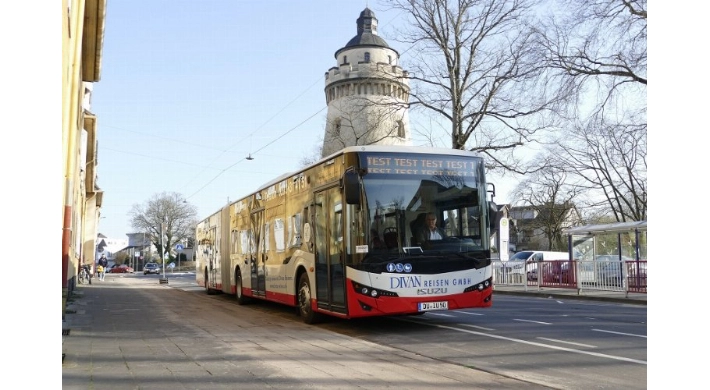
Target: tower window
[[400, 129], [367, 56], [345, 60]]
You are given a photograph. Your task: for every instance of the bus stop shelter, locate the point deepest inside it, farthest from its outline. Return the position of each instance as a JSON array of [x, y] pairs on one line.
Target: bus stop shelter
[[623, 243], [623, 238]]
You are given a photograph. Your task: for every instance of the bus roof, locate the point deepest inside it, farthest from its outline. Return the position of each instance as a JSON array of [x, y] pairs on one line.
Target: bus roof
[[403, 149], [373, 148]]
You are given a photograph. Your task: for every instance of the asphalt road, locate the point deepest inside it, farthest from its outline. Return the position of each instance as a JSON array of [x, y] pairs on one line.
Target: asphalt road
[[131, 332], [556, 343]]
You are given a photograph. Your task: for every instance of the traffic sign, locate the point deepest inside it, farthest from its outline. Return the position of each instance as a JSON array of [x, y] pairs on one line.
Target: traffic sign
[[179, 247]]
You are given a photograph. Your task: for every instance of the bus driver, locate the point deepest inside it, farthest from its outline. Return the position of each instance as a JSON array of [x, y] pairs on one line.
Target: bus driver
[[430, 231]]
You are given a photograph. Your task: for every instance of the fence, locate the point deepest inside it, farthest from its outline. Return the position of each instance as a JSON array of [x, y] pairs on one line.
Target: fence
[[622, 276]]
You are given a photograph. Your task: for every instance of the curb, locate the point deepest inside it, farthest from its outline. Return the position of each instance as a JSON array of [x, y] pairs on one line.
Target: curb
[[544, 294]]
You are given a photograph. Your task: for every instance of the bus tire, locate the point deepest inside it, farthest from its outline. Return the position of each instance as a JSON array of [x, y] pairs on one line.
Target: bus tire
[[304, 301], [207, 284], [241, 299]]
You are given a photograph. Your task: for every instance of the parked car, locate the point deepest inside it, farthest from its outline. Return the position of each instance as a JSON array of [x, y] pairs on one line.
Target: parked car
[[558, 271], [525, 262], [120, 269], [151, 268], [608, 269]]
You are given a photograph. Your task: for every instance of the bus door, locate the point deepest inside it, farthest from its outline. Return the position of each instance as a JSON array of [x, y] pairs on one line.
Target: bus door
[[330, 255], [212, 260], [257, 256]]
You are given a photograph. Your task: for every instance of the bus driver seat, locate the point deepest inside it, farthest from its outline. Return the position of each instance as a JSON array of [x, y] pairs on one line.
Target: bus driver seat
[[415, 226], [390, 237]]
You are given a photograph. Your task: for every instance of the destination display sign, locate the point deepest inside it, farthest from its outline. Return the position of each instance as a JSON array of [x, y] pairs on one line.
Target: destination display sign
[[383, 163]]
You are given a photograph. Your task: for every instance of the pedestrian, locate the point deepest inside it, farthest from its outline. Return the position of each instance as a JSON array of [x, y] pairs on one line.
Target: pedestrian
[[103, 265], [100, 271]]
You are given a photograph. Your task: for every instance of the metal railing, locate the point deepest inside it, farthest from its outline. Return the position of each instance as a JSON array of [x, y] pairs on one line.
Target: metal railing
[[622, 276]]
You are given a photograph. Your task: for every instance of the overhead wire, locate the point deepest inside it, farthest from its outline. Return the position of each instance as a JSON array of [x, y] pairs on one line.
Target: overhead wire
[[263, 147], [199, 174], [250, 156]]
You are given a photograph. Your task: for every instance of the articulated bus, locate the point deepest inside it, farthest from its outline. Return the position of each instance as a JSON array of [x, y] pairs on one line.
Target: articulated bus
[[339, 237]]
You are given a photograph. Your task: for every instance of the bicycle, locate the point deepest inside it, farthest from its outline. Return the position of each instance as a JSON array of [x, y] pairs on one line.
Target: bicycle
[[84, 276]]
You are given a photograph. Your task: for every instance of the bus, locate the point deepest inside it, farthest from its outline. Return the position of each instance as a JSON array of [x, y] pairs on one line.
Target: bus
[[339, 237]]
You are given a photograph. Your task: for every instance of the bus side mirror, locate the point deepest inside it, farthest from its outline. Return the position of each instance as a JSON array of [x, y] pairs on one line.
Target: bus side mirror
[[351, 186], [493, 217]]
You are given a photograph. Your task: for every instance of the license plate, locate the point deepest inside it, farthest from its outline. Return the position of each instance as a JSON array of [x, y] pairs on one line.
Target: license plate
[[429, 306]]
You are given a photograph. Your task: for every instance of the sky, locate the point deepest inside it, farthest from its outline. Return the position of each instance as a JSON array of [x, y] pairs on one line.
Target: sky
[[189, 89]]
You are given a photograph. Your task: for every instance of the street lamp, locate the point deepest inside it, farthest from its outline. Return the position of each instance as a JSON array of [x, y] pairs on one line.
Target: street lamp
[[164, 279], [143, 252]]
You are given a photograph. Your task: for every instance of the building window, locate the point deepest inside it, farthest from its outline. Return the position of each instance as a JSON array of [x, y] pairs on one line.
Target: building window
[[367, 56], [400, 129], [337, 126], [389, 60]]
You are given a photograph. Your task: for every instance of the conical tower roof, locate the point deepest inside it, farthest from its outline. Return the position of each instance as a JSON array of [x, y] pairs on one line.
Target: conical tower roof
[[366, 33]]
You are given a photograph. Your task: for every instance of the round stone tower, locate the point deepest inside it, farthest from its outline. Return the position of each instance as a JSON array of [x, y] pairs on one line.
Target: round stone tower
[[367, 93]]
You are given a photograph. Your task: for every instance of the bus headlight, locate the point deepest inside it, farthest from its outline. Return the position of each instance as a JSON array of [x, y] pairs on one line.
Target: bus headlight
[[371, 292], [479, 286]]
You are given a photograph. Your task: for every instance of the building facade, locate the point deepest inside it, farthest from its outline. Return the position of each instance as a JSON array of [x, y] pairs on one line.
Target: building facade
[[367, 93], [82, 42], [109, 247], [541, 227]]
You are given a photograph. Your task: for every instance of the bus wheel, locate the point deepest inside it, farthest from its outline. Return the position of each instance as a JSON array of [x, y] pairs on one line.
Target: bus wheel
[[304, 301], [207, 284], [241, 299]]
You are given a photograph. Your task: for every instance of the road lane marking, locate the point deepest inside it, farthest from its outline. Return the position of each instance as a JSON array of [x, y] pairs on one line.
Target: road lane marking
[[476, 326], [534, 322], [577, 351], [567, 342], [621, 333]]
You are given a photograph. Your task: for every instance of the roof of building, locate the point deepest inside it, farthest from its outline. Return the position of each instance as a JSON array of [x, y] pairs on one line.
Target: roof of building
[[366, 32], [367, 39]]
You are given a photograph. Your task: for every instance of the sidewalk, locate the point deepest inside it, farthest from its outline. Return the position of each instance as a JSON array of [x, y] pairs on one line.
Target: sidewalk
[[571, 293], [130, 332]]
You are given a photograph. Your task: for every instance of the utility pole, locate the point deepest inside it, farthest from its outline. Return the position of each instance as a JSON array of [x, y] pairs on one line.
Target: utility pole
[[164, 279]]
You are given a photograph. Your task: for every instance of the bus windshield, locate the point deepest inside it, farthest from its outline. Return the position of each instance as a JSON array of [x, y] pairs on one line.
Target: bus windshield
[[417, 210]]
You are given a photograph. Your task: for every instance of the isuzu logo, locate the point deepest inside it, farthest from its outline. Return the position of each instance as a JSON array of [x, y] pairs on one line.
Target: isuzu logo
[[431, 291]]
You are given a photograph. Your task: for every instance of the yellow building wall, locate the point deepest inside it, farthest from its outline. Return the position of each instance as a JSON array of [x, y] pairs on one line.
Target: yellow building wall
[[82, 38]]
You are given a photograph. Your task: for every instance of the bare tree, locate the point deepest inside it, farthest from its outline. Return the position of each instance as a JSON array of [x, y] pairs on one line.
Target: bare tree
[[598, 44], [611, 161], [548, 201], [597, 50], [168, 214], [477, 66], [313, 156]]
